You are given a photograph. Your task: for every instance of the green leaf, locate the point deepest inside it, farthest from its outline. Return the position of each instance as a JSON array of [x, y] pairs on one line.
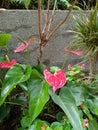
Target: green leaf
[[4, 111], [80, 94], [67, 103], [4, 39], [53, 69], [27, 3], [93, 105], [25, 122], [56, 126], [60, 116], [36, 75], [38, 124], [38, 97], [93, 124], [40, 68], [20, 100], [14, 76]]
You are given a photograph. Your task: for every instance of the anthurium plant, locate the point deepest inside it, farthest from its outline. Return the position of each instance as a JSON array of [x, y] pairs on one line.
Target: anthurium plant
[[50, 97], [75, 96]]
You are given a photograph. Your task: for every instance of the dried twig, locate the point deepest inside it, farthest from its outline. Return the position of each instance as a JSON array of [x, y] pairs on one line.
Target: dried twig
[[45, 34], [39, 18], [61, 23], [51, 18], [47, 17]]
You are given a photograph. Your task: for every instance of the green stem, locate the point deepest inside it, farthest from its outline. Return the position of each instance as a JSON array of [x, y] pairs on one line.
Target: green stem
[[13, 103], [8, 53], [20, 39]]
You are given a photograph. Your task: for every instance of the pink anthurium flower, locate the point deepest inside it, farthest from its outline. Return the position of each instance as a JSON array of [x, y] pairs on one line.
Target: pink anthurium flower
[[79, 53], [86, 123], [69, 66], [82, 66], [43, 127], [7, 64], [56, 80], [24, 45]]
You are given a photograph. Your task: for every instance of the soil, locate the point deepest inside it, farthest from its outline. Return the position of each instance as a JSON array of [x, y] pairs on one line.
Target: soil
[[12, 122]]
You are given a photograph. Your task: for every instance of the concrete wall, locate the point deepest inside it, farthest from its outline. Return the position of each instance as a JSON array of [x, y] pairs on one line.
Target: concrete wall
[[24, 23]]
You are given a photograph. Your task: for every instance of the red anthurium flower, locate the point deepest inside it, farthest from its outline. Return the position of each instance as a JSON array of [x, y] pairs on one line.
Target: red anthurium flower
[[24, 45], [56, 80], [79, 53], [7, 64]]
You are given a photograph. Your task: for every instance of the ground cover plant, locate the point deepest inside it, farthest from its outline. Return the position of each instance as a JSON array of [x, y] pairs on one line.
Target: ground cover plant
[[46, 98]]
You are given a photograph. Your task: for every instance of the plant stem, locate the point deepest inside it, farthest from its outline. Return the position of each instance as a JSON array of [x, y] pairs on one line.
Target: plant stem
[[93, 62], [45, 34], [20, 39], [39, 18], [62, 22]]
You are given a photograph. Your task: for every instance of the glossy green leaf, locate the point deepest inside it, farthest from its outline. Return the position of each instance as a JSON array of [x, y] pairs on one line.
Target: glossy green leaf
[[4, 111], [40, 68], [79, 94], [20, 100], [53, 69], [38, 94], [93, 124], [56, 126], [93, 105], [36, 75], [38, 124], [14, 76], [25, 122], [4, 39], [67, 103], [38, 98], [60, 116]]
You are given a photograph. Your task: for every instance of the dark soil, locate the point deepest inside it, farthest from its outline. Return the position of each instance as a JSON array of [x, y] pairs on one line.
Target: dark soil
[[12, 122]]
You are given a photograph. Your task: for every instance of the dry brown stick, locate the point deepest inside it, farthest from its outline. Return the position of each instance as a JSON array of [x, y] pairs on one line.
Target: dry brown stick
[[51, 19], [61, 23], [47, 16], [45, 38], [39, 18], [41, 49]]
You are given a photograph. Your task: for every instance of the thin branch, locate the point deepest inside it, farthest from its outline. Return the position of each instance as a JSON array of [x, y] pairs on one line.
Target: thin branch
[[47, 16], [62, 22], [52, 15], [39, 18], [45, 35]]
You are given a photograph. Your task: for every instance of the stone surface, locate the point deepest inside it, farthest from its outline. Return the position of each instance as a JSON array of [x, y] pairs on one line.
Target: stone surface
[[24, 23]]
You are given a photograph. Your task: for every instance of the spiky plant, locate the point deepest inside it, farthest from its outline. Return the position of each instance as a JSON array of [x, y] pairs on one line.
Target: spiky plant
[[86, 37]]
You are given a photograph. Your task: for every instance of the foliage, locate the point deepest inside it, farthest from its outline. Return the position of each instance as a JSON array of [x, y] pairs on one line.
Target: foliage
[[61, 4], [76, 99], [29, 87], [86, 37], [86, 31]]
